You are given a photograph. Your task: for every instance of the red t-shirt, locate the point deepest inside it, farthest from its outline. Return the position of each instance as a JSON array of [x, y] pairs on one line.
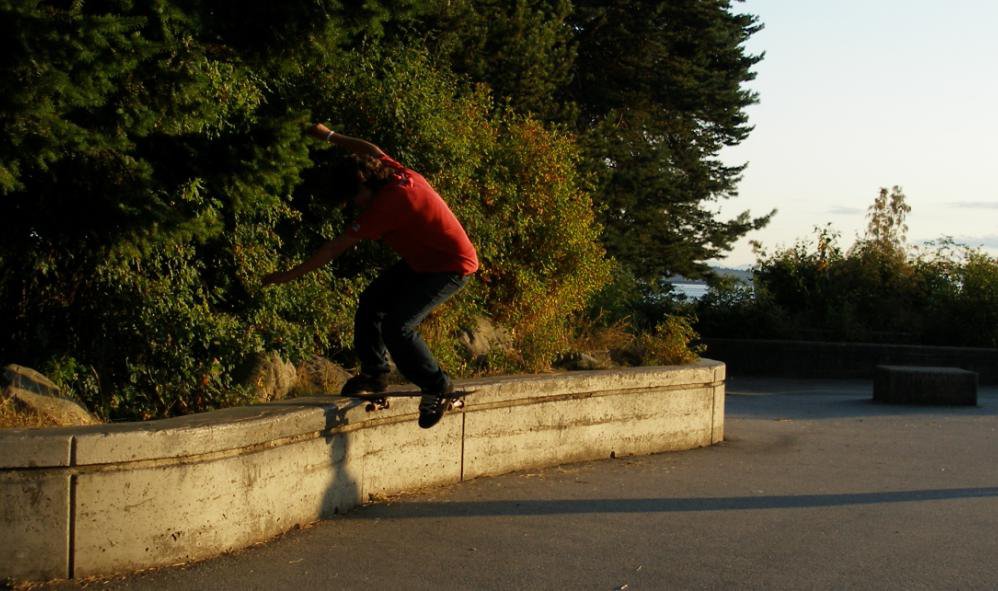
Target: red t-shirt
[[414, 221]]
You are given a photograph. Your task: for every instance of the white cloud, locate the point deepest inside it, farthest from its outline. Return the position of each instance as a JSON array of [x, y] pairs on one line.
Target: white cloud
[[842, 210]]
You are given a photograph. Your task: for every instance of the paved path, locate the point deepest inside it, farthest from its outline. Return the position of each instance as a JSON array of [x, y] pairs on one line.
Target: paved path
[[815, 488]]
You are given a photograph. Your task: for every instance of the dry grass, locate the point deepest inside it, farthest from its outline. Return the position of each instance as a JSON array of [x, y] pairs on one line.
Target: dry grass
[[15, 416], [673, 342], [603, 338]]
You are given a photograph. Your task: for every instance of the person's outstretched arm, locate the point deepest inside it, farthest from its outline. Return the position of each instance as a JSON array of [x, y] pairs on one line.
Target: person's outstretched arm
[[325, 253], [355, 145]]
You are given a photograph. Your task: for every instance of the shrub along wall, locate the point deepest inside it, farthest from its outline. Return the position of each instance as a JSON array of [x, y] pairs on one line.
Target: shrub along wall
[[945, 295], [155, 169]]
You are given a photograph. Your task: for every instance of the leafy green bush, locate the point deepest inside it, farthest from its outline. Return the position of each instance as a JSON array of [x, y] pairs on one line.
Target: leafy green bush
[[960, 287], [673, 342], [156, 169], [944, 295], [136, 154], [512, 182]]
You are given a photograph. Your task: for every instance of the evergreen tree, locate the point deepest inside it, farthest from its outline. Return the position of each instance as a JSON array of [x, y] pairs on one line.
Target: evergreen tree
[[653, 90], [659, 87], [523, 49]]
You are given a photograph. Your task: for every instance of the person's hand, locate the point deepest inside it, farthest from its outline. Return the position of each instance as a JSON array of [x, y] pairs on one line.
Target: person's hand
[[319, 131]]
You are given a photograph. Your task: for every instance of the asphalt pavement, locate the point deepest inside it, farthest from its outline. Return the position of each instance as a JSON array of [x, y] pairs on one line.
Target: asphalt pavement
[[815, 487]]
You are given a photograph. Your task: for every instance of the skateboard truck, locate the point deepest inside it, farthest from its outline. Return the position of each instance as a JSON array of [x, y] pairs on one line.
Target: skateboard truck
[[374, 404], [382, 401]]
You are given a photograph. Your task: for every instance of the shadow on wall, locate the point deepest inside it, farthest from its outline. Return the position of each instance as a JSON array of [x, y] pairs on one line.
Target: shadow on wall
[[343, 491]]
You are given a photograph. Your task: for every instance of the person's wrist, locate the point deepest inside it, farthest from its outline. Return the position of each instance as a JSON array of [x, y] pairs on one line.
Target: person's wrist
[[329, 135]]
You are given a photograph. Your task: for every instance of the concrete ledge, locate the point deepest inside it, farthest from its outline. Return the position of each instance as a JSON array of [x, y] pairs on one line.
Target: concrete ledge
[[924, 385], [104, 499]]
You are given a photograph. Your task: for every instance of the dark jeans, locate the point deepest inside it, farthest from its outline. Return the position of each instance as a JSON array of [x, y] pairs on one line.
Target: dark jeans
[[389, 312]]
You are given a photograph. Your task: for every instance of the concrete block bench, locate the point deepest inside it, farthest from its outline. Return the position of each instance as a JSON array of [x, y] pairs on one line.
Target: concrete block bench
[[897, 384]]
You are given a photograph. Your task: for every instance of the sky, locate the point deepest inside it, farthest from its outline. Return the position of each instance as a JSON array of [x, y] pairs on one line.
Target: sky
[[857, 95]]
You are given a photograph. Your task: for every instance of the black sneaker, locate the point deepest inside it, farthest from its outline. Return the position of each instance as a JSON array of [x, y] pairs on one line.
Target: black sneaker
[[432, 406], [365, 384]]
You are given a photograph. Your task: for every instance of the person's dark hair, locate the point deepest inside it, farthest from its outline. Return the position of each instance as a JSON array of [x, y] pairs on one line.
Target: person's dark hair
[[345, 175]]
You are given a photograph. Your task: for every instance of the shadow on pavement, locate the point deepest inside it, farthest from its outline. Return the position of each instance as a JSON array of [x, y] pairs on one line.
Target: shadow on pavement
[[778, 398], [530, 508], [817, 406]]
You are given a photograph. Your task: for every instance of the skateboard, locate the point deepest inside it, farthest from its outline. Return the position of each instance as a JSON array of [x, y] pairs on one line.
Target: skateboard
[[382, 400]]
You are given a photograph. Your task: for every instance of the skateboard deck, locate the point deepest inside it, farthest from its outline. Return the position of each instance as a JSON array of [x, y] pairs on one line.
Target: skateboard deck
[[382, 400]]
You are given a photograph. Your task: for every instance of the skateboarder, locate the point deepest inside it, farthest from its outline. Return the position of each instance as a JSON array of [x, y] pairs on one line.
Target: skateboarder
[[398, 207]]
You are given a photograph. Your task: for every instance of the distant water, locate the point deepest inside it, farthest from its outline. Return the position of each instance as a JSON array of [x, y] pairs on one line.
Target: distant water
[[693, 291]]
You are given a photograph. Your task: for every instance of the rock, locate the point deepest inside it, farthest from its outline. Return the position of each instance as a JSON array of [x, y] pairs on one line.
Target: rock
[[30, 380], [629, 356], [318, 375], [576, 361], [35, 395], [268, 376], [51, 410], [485, 337]]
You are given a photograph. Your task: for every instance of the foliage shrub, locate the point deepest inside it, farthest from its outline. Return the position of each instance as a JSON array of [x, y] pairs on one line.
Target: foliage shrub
[[944, 294], [155, 169], [634, 322], [512, 182], [672, 342]]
